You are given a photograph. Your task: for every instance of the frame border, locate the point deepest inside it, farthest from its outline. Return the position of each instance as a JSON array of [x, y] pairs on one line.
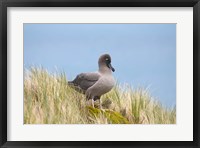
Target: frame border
[[99, 3]]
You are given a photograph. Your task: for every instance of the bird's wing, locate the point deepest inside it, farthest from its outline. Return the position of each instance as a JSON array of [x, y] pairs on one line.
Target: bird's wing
[[85, 80]]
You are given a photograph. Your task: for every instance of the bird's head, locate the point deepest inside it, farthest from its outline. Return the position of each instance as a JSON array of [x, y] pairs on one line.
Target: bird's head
[[105, 62]]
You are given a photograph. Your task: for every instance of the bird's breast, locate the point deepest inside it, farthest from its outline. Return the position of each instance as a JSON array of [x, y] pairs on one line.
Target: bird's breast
[[108, 81], [103, 85]]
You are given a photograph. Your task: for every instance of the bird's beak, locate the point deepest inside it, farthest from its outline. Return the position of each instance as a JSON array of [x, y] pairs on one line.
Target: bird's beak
[[110, 66]]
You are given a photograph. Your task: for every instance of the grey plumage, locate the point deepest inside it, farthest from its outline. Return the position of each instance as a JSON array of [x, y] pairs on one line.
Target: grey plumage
[[84, 80], [95, 84]]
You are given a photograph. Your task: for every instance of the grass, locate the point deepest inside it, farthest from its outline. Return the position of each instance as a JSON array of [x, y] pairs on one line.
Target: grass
[[49, 100]]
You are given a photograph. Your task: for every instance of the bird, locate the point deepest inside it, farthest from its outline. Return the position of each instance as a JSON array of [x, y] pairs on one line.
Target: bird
[[96, 84]]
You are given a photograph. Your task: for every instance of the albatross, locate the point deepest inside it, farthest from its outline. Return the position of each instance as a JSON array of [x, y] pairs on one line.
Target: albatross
[[95, 84]]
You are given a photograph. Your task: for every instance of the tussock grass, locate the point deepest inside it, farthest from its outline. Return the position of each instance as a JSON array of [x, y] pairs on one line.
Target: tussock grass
[[49, 100]]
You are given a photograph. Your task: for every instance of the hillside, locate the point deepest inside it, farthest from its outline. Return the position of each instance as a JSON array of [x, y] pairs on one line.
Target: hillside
[[49, 100]]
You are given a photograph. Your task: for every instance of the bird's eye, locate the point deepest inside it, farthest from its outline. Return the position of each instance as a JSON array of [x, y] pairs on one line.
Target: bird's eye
[[107, 59]]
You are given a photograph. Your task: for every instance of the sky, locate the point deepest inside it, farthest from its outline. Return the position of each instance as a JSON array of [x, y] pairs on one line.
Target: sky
[[143, 55]]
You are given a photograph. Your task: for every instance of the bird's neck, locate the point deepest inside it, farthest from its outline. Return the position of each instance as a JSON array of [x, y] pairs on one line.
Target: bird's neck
[[105, 69]]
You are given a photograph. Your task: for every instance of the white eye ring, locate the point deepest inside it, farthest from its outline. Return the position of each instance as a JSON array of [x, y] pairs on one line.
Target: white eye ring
[[106, 59]]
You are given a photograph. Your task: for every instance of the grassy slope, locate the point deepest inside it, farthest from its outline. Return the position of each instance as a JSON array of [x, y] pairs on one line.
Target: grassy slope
[[49, 100]]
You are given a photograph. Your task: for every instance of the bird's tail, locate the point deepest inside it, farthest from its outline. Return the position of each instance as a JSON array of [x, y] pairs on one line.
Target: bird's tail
[[70, 83], [75, 86]]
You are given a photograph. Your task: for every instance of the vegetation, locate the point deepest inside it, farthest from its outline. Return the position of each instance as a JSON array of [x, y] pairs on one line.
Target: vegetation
[[49, 100]]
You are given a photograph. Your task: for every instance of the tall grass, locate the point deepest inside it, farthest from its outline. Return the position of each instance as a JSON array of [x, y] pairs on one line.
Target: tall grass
[[49, 100]]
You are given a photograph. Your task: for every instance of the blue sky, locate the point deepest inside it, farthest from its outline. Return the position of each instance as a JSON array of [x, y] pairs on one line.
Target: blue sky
[[142, 54]]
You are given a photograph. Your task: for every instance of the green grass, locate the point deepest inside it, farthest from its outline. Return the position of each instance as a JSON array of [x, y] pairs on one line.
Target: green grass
[[49, 100]]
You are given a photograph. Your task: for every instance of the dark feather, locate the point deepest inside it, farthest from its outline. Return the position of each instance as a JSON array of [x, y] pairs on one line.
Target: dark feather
[[83, 81]]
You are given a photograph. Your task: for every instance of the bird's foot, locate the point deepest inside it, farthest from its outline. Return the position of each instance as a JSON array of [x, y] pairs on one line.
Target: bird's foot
[[92, 103], [100, 105]]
